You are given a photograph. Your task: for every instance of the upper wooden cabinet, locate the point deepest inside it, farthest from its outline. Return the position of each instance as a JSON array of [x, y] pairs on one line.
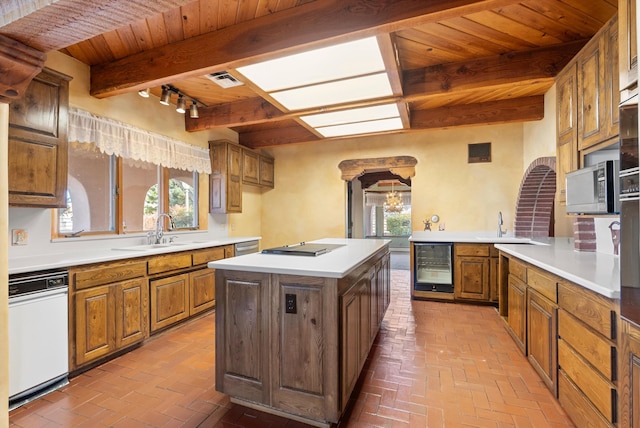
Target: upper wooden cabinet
[[232, 166], [225, 188], [598, 93], [38, 142], [628, 45]]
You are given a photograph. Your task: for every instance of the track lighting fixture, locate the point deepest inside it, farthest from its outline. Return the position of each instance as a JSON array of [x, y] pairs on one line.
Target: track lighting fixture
[[144, 93], [193, 110], [181, 105], [165, 98]]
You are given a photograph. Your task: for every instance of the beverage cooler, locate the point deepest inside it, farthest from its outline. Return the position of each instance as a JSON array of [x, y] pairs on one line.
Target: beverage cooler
[[432, 268]]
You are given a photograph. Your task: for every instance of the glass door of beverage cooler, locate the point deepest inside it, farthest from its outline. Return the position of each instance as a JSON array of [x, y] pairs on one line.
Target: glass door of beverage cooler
[[433, 267]]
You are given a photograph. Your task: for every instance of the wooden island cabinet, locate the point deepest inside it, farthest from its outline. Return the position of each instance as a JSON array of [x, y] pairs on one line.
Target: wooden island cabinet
[[294, 344]]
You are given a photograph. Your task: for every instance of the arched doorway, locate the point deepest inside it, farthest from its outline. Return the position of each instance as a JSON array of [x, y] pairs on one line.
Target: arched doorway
[[370, 185]]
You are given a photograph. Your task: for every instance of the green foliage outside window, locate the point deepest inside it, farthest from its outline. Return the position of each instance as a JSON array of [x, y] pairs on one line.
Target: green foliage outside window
[[399, 224]]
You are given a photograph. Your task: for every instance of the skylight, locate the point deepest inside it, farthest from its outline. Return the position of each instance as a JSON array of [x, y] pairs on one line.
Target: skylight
[[336, 75]]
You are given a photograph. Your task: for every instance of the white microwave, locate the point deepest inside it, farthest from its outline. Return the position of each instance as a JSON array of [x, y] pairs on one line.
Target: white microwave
[[594, 189]]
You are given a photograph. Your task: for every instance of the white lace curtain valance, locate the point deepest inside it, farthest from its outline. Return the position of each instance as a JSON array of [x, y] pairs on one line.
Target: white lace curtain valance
[[121, 139]]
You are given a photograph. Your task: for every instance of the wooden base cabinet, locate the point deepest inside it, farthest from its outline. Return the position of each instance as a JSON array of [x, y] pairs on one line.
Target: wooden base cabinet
[[109, 310], [169, 300], [629, 386], [587, 355], [110, 318], [542, 318], [475, 273]]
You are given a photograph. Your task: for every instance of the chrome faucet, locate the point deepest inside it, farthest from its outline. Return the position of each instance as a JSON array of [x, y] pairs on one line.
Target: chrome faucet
[[159, 229], [500, 223]]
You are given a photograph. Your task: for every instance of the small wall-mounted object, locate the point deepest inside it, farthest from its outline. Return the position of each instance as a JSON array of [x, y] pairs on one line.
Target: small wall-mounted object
[[19, 237], [479, 152]]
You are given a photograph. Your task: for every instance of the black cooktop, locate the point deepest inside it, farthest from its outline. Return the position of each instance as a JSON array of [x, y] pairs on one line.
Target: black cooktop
[[302, 249]]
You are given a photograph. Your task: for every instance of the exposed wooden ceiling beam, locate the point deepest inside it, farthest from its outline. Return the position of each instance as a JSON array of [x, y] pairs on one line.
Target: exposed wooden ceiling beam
[[499, 70], [314, 24], [489, 113]]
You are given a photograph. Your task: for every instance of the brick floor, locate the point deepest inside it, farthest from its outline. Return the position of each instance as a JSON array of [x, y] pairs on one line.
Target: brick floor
[[432, 365]]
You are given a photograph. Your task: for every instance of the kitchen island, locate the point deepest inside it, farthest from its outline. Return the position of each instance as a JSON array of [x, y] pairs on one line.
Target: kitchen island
[[293, 332]]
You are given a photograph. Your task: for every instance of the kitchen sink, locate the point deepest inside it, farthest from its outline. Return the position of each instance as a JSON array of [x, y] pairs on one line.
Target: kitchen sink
[[146, 247]]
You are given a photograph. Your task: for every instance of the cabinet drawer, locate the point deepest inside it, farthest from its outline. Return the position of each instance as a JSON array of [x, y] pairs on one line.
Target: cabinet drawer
[[591, 346], [577, 406], [543, 284], [593, 385], [592, 309], [208, 255], [108, 273], [476, 250], [518, 269], [493, 251], [169, 262]]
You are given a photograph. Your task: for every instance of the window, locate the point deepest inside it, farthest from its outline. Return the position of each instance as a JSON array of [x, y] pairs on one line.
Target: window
[[98, 184]]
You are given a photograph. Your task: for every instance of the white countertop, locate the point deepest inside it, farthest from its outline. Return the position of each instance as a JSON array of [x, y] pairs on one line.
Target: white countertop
[[598, 272], [66, 259], [334, 264], [479, 237]]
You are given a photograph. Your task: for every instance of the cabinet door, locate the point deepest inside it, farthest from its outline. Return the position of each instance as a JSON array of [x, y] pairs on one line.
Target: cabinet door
[[350, 321], [250, 167], [612, 82], [169, 300], [234, 179], [267, 172], [517, 311], [542, 317], [242, 335], [591, 81], [471, 277], [132, 300], [37, 146], [629, 379], [202, 295], [95, 323], [627, 42]]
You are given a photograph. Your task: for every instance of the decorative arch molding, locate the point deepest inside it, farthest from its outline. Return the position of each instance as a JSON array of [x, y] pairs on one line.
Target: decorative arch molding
[[536, 199], [404, 166]]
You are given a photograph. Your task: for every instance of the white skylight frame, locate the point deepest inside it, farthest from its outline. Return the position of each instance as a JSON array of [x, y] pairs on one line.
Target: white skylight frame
[[332, 76]]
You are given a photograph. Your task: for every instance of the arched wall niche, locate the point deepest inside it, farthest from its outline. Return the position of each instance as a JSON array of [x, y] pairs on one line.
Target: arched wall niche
[[536, 200]]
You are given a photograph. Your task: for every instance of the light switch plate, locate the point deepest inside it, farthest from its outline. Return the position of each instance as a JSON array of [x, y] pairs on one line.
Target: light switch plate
[[19, 237]]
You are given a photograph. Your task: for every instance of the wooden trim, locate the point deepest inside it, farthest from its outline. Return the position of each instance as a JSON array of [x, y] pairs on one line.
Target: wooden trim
[[403, 166], [19, 64]]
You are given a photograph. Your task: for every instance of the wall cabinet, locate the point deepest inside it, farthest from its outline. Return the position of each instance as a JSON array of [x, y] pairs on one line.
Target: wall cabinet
[[587, 102], [225, 181], [628, 45], [232, 166], [37, 146]]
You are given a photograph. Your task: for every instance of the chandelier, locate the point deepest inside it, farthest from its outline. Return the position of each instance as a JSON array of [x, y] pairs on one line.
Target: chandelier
[[393, 204]]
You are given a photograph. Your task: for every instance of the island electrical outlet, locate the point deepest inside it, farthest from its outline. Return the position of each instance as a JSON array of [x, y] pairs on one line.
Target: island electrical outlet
[[291, 306]]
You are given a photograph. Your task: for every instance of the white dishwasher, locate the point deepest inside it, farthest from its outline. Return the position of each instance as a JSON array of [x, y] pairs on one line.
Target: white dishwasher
[[38, 335]]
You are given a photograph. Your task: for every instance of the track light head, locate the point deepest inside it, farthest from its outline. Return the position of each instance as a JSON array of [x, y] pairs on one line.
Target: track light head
[[144, 93], [181, 106], [193, 111], [165, 98]]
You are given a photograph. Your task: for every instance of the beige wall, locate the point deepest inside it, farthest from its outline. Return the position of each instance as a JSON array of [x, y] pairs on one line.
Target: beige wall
[[309, 199], [4, 269]]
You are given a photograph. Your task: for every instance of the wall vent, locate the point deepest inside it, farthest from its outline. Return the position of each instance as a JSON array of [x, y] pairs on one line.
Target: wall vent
[[224, 79], [480, 152]]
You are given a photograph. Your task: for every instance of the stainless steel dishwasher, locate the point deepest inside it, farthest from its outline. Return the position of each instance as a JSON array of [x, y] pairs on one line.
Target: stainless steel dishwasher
[[242, 248], [38, 334]]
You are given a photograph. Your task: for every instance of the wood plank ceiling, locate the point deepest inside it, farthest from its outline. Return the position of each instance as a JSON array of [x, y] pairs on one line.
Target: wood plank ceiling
[[456, 62]]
